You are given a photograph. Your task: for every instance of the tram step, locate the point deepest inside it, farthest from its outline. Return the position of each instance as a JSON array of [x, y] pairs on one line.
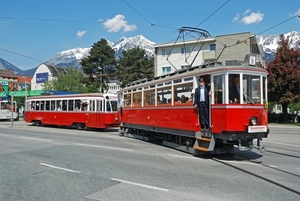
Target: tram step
[[203, 139], [201, 148]]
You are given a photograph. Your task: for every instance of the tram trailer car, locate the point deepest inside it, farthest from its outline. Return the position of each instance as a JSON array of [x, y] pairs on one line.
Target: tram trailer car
[[162, 109], [83, 111]]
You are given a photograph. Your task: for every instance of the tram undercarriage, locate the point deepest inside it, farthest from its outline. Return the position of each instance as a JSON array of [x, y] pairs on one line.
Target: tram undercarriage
[[196, 143]]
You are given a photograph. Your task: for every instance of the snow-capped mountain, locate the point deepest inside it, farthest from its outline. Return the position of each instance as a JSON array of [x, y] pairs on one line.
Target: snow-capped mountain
[[270, 43], [128, 43], [73, 57], [69, 57]]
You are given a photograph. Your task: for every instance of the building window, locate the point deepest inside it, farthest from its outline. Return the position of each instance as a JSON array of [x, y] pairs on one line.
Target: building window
[[166, 70], [166, 52], [185, 50], [212, 47]]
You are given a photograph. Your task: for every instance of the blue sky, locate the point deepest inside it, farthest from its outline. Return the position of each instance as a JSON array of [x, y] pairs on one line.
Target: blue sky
[[33, 31]]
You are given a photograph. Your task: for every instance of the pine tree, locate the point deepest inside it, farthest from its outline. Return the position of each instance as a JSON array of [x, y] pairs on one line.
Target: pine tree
[[99, 66], [134, 65], [284, 76]]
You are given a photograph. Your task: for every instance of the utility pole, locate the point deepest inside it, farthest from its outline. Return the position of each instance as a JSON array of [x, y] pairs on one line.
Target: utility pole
[[12, 111]]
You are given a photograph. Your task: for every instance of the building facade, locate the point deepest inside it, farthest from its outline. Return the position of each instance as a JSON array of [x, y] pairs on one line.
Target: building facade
[[171, 57], [43, 73]]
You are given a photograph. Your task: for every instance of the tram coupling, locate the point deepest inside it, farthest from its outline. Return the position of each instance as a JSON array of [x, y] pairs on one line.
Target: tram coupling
[[259, 146]]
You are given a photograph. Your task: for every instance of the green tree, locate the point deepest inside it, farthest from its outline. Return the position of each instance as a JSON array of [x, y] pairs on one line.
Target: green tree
[[71, 81], [134, 65], [99, 66], [284, 76]]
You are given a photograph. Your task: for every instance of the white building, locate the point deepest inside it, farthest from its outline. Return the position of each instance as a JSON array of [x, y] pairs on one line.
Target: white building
[[43, 73]]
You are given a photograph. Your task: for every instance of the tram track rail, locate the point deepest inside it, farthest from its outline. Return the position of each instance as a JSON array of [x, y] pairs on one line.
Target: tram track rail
[[259, 176]]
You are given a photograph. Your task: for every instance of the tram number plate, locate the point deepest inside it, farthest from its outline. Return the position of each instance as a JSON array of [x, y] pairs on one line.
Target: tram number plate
[[257, 129]]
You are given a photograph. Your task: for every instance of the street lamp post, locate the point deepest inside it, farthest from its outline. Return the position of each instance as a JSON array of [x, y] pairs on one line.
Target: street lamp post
[[101, 68], [12, 111], [25, 89]]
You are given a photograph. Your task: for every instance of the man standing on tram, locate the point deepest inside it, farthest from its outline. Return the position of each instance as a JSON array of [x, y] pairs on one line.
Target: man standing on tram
[[201, 101]]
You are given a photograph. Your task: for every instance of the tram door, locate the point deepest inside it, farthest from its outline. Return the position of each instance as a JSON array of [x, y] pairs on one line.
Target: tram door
[[98, 104]]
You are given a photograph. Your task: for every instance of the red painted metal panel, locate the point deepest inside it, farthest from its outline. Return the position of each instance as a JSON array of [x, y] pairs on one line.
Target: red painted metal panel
[[61, 118], [182, 118]]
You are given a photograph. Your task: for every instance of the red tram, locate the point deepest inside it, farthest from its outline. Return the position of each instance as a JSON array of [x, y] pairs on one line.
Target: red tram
[[82, 111], [162, 109]]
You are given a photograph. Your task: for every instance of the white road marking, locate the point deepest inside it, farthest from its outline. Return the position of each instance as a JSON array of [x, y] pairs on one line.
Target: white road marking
[[59, 168], [142, 185], [96, 146], [293, 145], [30, 138]]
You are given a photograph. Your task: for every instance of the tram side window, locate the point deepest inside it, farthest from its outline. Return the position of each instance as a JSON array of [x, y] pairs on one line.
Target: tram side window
[[77, 105], [264, 98], [58, 106], [183, 94], [64, 105], [218, 89], [149, 97], [42, 105], [70, 105], [137, 99], [164, 96], [47, 106], [37, 105], [114, 105], [127, 100], [52, 105], [32, 105]]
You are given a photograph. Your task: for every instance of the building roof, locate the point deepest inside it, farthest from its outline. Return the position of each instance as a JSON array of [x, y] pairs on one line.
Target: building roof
[[23, 78], [7, 73], [55, 69]]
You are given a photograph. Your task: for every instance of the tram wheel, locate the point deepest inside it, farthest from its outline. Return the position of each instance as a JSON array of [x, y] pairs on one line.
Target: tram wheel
[[81, 126], [37, 123]]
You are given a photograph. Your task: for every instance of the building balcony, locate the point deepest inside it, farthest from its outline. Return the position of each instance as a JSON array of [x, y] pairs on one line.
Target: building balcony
[[209, 55]]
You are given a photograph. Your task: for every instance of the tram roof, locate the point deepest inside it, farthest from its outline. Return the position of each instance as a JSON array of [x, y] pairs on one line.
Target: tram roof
[[79, 96]]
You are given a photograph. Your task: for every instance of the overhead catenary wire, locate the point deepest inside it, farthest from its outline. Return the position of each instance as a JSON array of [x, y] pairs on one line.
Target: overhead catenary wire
[[21, 55], [213, 13]]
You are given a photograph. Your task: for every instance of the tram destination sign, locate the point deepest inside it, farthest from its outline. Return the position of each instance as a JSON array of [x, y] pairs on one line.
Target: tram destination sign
[[257, 129]]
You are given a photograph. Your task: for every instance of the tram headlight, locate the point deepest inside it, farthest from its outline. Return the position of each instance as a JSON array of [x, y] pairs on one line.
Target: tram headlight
[[253, 121]]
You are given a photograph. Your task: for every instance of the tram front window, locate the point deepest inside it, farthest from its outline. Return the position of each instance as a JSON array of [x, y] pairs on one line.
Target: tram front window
[[245, 91], [251, 85]]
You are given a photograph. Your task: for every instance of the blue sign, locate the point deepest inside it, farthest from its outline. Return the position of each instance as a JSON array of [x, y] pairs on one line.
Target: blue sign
[[41, 77], [4, 82]]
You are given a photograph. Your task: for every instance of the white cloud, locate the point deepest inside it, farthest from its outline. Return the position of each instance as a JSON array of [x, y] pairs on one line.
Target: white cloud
[[80, 34], [253, 18], [247, 11], [118, 23], [236, 18]]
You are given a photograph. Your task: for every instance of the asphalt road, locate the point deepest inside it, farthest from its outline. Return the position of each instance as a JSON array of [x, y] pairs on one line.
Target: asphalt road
[[44, 163]]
